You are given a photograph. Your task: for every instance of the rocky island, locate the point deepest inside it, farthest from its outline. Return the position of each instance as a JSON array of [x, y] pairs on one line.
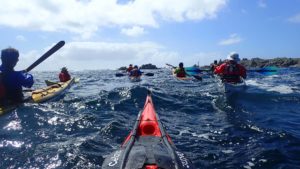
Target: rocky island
[[145, 66]]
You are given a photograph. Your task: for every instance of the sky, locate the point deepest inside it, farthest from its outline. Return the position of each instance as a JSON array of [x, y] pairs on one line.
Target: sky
[[108, 34]]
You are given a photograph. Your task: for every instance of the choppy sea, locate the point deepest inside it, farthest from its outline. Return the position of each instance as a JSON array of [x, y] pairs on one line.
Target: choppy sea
[[259, 128]]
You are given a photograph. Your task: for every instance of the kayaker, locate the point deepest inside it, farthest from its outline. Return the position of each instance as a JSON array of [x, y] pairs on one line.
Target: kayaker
[[129, 68], [231, 70], [180, 71], [214, 65], [135, 72], [13, 81], [64, 75]]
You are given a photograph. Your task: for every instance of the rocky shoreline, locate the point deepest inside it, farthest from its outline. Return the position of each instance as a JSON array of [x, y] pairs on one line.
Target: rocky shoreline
[[279, 62], [248, 63]]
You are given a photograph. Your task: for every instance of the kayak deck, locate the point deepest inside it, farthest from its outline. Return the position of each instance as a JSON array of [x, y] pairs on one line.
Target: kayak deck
[[50, 92], [148, 146], [135, 79], [232, 88]]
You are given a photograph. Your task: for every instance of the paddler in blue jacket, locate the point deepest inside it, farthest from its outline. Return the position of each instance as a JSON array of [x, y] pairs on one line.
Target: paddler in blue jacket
[[135, 72], [12, 80]]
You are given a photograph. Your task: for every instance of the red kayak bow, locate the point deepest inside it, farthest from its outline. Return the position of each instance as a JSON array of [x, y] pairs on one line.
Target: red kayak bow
[[148, 146]]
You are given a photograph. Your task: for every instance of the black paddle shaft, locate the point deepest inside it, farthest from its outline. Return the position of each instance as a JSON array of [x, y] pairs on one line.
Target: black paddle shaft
[[46, 55]]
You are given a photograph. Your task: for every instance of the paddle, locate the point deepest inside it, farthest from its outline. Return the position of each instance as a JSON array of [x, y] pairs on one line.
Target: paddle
[[188, 73], [46, 55], [148, 74], [269, 70], [124, 74], [120, 74]]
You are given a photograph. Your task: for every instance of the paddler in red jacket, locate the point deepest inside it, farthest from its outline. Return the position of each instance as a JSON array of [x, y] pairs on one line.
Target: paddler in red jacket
[[64, 75], [129, 68], [231, 70]]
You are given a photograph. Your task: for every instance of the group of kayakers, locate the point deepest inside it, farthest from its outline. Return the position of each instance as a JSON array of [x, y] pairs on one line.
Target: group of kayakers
[[11, 81], [229, 71], [134, 71]]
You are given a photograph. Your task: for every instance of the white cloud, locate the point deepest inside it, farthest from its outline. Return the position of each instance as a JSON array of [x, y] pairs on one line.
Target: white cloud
[[262, 4], [107, 55], [295, 18], [20, 38], [233, 39], [101, 55], [86, 17], [134, 31]]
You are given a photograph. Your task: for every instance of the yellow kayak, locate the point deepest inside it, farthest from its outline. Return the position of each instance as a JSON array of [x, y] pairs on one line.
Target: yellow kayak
[[4, 109], [52, 91], [7, 108]]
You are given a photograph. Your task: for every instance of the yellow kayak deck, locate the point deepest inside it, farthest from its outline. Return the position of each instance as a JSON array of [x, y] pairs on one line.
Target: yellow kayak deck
[[50, 92]]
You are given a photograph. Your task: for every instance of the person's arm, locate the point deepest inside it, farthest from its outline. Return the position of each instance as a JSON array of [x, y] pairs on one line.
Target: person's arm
[[68, 76], [219, 69], [140, 72], [25, 79], [176, 70]]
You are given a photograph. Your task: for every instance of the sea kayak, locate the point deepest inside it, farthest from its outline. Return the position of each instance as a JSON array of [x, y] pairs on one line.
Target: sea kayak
[[51, 92], [49, 83], [232, 88], [135, 78], [186, 78], [40, 95], [7, 108], [148, 146]]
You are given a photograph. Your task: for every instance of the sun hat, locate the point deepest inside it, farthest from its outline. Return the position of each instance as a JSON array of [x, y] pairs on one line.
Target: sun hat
[[234, 56]]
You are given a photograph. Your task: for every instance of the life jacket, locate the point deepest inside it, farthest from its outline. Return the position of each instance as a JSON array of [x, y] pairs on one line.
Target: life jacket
[[135, 73], [181, 73], [63, 77], [9, 94], [231, 73]]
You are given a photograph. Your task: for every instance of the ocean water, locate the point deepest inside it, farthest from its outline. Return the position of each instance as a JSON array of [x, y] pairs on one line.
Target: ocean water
[[259, 128]]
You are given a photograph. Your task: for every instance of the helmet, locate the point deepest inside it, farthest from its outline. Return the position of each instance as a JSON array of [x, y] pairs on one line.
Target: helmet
[[135, 66], [130, 65], [9, 56], [233, 56]]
